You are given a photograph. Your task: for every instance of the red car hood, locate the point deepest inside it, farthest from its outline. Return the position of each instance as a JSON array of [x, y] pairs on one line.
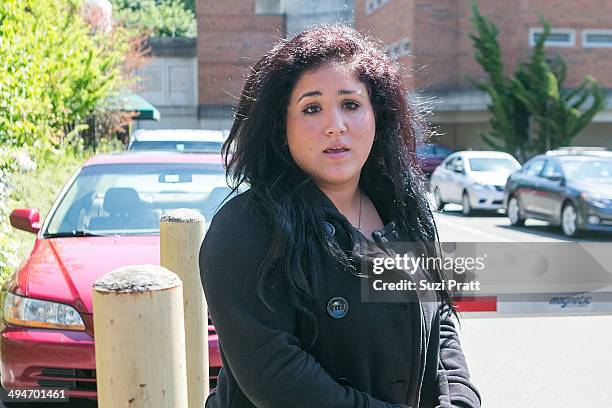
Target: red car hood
[[64, 269]]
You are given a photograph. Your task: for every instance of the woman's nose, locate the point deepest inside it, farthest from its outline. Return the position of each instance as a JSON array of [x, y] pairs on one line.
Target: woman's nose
[[336, 124]]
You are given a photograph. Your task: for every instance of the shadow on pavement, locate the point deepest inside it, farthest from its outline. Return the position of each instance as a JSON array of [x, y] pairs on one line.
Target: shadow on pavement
[[551, 231], [475, 214]]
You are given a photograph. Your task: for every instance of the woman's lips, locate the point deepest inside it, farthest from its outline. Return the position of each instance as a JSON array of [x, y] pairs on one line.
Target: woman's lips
[[336, 153]]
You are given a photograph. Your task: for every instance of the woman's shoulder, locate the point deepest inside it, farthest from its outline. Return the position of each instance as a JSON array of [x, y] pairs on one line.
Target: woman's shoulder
[[237, 233], [232, 253], [239, 215]]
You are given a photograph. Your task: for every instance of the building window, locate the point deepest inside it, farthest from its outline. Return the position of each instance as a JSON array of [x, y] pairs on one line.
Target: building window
[[399, 48], [406, 47], [268, 7], [373, 5], [558, 37], [597, 38]]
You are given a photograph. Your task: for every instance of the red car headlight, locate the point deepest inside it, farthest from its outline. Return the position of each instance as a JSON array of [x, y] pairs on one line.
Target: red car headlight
[[23, 311]]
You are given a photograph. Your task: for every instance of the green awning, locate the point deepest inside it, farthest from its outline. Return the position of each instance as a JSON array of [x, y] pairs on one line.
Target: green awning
[[130, 102]]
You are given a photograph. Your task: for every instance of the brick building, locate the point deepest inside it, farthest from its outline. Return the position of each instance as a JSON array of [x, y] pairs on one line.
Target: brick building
[[234, 34], [430, 38]]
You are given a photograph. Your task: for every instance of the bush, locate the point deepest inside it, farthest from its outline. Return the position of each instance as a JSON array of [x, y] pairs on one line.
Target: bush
[[159, 18], [7, 246], [56, 70]]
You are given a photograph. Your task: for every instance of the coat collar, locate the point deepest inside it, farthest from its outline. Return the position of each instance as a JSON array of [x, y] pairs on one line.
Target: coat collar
[[390, 231]]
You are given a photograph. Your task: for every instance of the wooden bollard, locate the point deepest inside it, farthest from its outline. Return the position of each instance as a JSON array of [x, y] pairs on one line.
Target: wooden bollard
[[181, 234], [140, 338]]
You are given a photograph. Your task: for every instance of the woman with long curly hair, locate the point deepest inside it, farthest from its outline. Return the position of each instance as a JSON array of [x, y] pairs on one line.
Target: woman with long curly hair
[[325, 139]]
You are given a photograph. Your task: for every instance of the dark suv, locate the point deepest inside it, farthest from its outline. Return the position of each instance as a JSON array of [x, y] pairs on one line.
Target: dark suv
[[569, 188]]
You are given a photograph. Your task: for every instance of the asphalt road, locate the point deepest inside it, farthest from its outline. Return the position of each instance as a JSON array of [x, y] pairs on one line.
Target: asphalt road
[[495, 227], [540, 362], [536, 360]]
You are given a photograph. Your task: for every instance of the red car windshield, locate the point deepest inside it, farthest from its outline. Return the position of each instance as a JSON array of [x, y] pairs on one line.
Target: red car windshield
[[129, 199]]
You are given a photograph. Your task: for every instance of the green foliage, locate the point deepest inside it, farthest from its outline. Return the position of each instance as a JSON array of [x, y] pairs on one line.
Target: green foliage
[[531, 112], [7, 245], [190, 5], [558, 113], [159, 18], [509, 118], [55, 70]]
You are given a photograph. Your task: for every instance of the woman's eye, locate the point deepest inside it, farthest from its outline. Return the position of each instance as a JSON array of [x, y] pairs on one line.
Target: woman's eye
[[311, 109], [351, 105]]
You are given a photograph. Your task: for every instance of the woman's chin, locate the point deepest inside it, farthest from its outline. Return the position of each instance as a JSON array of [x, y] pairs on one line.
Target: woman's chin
[[336, 179]]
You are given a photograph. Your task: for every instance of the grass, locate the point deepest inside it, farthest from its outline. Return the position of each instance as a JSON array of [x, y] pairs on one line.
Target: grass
[[39, 189]]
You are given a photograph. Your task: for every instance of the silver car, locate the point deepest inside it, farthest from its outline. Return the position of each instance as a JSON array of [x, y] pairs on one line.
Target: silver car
[[194, 140], [474, 179]]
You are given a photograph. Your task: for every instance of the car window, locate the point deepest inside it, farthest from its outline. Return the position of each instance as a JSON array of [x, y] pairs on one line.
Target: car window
[[534, 168], [450, 164], [442, 151], [593, 169], [206, 147], [495, 164], [129, 199], [552, 169], [458, 164], [432, 150]]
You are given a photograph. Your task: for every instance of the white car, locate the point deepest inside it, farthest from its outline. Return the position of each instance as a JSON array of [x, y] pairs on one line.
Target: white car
[[474, 179], [200, 140]]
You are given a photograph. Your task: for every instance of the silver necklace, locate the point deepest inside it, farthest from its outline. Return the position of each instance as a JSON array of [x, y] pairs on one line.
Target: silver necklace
[[359, 220]]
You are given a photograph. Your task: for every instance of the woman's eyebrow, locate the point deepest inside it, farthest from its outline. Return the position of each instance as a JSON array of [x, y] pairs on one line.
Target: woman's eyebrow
[[346, 91], [318, 93], [307, 94]]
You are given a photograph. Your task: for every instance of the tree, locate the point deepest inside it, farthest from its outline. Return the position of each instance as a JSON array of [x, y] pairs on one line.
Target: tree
[[56, 70], [509, 117], [531, 111], [558, 114], [158, 18]]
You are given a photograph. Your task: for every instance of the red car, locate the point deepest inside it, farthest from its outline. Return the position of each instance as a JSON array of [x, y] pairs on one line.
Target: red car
[[106, 216]]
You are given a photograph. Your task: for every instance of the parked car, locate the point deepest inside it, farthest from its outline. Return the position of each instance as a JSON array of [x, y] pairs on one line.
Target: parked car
[[474, 179], [430, 155], [570, 188], [105, 217], [200, 140]]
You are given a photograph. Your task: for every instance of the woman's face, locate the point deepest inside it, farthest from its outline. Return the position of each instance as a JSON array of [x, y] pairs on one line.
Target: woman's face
[[330, 125]]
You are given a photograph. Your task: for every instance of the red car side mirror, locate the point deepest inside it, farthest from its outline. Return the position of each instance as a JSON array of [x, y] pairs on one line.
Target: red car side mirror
[[26, 219]]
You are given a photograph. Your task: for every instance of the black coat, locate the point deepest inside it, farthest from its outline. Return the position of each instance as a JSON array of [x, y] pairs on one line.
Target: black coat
[[378, 355]]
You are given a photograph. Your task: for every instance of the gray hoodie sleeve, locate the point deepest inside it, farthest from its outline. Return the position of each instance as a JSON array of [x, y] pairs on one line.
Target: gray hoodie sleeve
[[456, 390]]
